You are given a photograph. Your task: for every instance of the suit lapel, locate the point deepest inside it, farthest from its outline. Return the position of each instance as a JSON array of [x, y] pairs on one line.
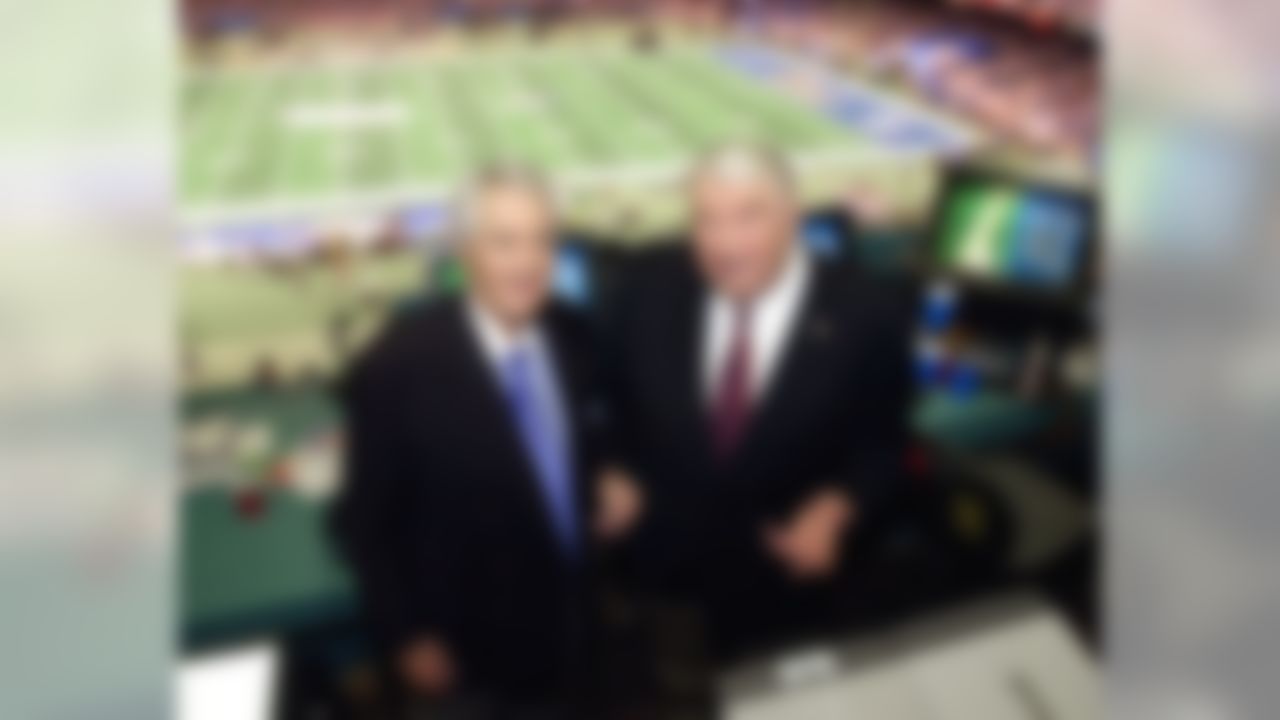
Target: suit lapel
[[569, 377], [809, 340], [481, 386], [686, 355], [567, 371]]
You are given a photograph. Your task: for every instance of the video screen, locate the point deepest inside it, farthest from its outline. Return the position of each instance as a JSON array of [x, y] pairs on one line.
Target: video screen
[[826, 237], [572, 275], [1011, 233]]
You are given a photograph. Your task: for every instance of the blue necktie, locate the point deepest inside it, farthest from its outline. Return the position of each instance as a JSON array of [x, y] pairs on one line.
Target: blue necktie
[[541, 426]]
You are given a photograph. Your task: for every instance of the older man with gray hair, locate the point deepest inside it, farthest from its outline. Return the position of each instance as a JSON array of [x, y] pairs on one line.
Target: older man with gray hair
[[464, 512], [761, 398]]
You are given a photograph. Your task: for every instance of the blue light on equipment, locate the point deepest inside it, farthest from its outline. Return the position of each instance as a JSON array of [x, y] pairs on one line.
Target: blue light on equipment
[[572, 276], [824, 238]]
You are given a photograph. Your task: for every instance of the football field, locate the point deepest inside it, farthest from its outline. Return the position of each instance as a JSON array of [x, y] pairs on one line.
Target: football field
[[279, 151], [305, 135]]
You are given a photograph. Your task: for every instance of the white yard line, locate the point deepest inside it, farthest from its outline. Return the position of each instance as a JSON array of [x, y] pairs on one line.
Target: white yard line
[[289, 153], [549, 110], [341, 144], [236, 144], [403, 142], [425, 97]]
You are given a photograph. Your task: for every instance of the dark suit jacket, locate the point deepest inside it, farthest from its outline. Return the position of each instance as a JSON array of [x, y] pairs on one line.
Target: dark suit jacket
[[442, 519], [833, 414]]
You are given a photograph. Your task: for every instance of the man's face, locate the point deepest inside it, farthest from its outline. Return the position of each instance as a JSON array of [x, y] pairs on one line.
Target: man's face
[[743, 231], [510, 253]]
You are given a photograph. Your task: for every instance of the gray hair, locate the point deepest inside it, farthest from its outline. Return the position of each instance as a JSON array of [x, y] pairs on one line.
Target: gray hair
[[738, 161], [502, 176]]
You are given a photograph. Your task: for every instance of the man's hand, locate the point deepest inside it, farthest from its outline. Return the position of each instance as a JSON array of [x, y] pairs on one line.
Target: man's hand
[[619, 504], [427, 667], [808, 543]]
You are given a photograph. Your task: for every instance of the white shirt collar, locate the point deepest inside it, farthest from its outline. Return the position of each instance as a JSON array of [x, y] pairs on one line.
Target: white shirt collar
[[497, 342], [786, 291], [774, 313], [789, 289]]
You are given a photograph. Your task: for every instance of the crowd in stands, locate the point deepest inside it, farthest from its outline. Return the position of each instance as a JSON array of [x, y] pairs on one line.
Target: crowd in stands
[[1025, 77], [1035, 84]]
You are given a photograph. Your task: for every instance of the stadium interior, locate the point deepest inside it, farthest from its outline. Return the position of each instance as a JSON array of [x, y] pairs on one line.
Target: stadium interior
[[953, 144]]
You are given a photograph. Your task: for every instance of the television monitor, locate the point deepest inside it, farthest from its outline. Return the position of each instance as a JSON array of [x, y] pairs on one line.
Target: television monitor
[[572, 279], [828, 234], [1012, 232]]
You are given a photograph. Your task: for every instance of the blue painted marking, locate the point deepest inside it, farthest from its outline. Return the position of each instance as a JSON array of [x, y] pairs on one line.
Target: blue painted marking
[[853, 105]]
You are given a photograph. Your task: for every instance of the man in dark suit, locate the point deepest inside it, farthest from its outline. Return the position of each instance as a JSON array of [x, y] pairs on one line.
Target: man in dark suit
[[463, 517], [761, 400]]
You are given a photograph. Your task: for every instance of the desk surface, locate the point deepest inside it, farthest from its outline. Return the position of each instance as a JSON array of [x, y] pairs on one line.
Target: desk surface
[[1000, 659], [249, 577], [276, 571]]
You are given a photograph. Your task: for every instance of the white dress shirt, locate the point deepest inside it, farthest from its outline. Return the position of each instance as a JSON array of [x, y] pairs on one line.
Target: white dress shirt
[[773, 315], [497, 343]]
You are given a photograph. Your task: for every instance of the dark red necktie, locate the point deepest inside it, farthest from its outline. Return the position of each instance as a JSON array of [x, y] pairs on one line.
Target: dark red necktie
[[732, 402]]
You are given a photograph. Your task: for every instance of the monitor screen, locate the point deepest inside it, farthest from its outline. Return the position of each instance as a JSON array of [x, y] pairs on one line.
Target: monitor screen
[[1006, 231], [572, 279], [826, 236]]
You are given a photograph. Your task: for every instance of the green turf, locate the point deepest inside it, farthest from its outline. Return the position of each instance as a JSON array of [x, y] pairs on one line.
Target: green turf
[[565, 109], [318, 137], [234, 317]]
